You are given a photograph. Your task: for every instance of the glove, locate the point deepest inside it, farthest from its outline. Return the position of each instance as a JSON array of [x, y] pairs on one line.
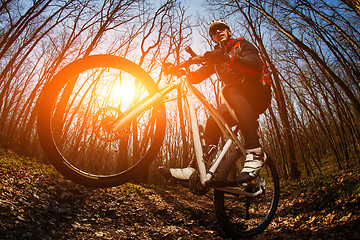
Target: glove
[[216, 56], [170, 69]]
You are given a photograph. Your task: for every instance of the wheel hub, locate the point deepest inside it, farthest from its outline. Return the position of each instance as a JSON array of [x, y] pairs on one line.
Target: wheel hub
[[103, 124]]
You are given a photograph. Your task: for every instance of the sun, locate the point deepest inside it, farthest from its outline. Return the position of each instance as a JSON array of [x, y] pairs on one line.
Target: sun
[[122, 93], [117, 90]]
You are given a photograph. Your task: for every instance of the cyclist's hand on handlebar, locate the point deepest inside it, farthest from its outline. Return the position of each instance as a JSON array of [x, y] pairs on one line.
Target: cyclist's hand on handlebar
[[216, 56], [168, 68]]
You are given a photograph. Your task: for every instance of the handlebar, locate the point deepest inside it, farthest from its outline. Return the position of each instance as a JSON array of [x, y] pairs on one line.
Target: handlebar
[[176, 69], [193, 60]]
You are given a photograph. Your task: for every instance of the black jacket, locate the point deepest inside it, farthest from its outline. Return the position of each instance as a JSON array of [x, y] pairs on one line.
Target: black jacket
[[245, 64]]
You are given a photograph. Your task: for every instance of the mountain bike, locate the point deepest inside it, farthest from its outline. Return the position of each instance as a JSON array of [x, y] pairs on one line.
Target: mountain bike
[[99, 141]]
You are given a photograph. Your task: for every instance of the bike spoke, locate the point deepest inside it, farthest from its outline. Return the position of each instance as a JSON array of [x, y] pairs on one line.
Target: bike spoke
[[83, 103], [246, 213]]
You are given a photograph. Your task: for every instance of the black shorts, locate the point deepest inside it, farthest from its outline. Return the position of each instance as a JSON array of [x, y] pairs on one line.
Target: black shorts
[[258, 94]]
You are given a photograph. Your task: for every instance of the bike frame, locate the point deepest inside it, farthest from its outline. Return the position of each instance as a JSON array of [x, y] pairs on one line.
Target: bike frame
[[230, 136]]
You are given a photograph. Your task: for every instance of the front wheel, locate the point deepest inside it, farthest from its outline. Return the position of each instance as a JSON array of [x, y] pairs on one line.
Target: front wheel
[[77, 111], [242, 216]]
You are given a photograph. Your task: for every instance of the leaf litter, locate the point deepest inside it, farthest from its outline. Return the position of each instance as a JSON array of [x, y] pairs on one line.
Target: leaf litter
[[38, 203]]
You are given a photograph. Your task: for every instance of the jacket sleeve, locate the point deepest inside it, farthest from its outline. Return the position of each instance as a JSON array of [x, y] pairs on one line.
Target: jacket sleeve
[[245, 59], [201, 74]]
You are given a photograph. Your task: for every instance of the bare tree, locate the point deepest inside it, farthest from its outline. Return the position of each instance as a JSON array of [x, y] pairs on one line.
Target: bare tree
[[354, 4]]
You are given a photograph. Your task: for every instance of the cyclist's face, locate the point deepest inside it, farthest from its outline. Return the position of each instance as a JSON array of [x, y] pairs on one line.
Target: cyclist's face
[[220, 34]]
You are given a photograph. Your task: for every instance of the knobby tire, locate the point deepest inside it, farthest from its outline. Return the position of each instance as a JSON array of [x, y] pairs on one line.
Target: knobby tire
[[230, 209], [70, 112]]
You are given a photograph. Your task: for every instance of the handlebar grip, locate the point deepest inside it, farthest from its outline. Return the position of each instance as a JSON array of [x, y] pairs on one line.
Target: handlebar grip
[[190, 51]]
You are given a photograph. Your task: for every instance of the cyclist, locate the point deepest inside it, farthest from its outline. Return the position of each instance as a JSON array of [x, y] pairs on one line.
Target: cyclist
[[238, 65]]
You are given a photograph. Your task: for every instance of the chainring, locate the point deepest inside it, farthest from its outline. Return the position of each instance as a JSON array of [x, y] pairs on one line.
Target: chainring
[[195, 185]]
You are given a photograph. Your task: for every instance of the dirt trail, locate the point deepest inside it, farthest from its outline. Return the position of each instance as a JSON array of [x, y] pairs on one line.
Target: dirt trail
[[37, 205]]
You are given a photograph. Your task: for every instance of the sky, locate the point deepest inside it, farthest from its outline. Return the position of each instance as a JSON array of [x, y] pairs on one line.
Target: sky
[[197, 7]]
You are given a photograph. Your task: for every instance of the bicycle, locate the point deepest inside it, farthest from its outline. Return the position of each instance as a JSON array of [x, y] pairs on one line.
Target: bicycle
[[76, 124]]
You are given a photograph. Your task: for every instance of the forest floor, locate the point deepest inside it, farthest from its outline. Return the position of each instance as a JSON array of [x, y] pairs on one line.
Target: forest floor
[[37, 203]]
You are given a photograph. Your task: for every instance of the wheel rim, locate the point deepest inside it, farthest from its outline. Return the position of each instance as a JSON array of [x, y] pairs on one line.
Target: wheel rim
[[243, 216], [75, 128]]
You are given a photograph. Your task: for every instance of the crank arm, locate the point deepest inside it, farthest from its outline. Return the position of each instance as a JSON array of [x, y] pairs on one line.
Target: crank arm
[[238, 192]]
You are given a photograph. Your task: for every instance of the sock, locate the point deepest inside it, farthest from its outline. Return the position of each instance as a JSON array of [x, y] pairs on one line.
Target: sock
[[257, 150]]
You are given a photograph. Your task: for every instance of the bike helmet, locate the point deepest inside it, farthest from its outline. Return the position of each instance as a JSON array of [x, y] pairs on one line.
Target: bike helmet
[[216, 24]]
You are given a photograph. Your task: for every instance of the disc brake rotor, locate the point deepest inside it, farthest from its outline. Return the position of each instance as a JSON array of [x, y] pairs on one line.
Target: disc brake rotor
[[103, 124]]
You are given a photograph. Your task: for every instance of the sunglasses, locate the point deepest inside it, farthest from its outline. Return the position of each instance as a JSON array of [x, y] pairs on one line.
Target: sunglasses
[[216, 28]]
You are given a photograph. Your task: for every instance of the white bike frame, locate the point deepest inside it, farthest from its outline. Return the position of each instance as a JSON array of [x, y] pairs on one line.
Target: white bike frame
[[230, 136]]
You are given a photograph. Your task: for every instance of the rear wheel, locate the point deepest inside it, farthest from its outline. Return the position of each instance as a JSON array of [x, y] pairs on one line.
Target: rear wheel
[[77, 112], [243, 216]]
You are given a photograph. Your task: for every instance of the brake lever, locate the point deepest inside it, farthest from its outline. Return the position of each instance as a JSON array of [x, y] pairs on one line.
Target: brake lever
[[197, 59], [190, 51], [166, 68]]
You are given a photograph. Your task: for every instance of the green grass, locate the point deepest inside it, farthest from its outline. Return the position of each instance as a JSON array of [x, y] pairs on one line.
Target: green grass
[[13, 163], [337, 192]]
